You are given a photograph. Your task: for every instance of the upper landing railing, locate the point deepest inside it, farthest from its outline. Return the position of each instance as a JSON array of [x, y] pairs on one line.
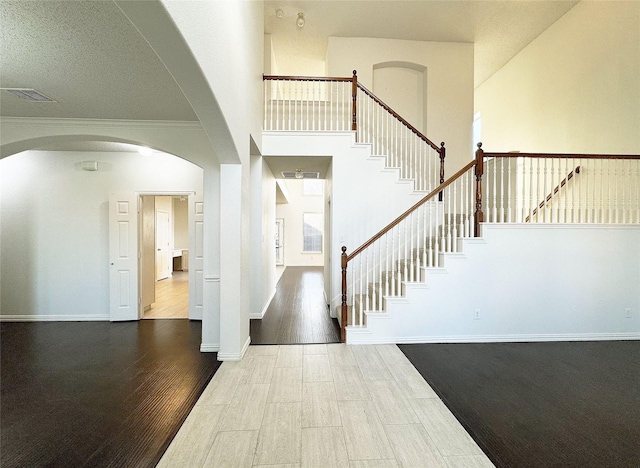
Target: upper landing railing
[[326, 104], [559, 188]]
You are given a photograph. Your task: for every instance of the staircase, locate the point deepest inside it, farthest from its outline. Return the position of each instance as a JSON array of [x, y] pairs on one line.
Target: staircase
[[421, 277]]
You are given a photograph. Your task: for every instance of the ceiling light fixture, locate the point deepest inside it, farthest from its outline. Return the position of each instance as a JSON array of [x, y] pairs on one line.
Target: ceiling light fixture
[[300, 20], [299, 174], [144, 151]]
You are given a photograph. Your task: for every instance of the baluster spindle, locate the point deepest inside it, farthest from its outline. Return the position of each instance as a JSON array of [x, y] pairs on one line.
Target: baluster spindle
[[386, 257], [508, 197]]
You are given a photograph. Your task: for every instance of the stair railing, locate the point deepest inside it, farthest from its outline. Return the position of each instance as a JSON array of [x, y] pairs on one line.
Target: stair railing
[[304, 103], [398, 253], [543, 188]]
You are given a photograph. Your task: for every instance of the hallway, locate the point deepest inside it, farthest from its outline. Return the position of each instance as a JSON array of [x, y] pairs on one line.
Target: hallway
[[298, 313], [172, 298]]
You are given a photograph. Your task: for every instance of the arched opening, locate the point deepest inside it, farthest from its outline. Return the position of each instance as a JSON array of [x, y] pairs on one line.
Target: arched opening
[[55, 222], [403, 86]]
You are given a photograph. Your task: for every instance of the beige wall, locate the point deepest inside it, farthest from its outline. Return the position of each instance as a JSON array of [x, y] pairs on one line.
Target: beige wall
[[576, 88], [448, 80]]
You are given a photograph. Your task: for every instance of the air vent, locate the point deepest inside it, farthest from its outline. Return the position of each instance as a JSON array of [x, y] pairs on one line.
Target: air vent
[[29, 94], [305, 175]]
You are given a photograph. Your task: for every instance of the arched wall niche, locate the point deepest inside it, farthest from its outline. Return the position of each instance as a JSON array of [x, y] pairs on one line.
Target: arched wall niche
[[403, 86]]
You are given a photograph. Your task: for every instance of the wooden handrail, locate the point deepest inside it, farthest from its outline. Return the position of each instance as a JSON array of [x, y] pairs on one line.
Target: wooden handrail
[[513, 154], [396, 221], [550, 196], [398, 117], [304, 78]]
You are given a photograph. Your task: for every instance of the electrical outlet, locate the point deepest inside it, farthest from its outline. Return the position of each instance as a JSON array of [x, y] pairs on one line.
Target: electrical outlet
[[627, 313], [476, 314]]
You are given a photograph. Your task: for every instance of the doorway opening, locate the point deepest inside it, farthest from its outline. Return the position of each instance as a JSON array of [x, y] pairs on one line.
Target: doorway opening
[[164, 256]]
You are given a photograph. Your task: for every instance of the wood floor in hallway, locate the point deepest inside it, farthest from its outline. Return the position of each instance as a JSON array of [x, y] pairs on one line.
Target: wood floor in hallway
[[172, 297], [298, 312]]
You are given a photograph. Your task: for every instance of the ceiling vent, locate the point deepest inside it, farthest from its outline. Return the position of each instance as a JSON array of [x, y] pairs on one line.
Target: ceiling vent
[[29, 94], [305, 175]]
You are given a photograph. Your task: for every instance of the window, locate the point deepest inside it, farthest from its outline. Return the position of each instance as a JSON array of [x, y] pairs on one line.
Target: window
[[312, 232], [312, 187]]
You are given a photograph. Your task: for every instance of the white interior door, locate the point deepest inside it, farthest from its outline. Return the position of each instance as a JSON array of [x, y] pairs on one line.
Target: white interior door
[[123, 257], [163, 254], [196, 256]]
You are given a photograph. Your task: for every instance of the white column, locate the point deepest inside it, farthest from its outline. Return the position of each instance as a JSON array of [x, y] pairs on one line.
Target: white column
[[234, 320], [211, 280]]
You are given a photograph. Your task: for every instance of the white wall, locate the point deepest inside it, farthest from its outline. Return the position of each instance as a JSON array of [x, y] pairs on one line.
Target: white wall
[[180, 224], [263, 218], [575, 88], [528, 283], [227, 40], [449, 84], [292, 214], [54, 227]]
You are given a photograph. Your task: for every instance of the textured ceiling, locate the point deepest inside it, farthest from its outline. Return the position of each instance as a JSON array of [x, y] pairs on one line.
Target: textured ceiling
[[92, 61], [89, 58], [499, 29]]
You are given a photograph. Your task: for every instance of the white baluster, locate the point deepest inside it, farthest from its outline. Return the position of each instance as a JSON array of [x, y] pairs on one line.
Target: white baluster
[[508, 196], [386, 259], [352, 290], [494, 217], [424, 236], [501, 189], [393, 261], [472, 202]]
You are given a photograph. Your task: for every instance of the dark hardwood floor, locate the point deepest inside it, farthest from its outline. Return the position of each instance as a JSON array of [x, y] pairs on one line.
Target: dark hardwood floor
[[77, 394], [573, 404], [298, 312]]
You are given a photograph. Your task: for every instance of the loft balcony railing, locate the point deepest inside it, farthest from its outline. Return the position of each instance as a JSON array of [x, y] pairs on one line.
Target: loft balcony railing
[[326, 104], [493, 188], [560, 188]]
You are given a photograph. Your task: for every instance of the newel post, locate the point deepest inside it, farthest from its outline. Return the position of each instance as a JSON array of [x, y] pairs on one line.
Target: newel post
[[479, 216], [343, 320], [354, 96], [443, 154]]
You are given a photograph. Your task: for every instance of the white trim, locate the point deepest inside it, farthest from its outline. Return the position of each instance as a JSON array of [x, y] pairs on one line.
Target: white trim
[[260, 315], [363, 336], [102, 122], [209, 347], [235, 356], [54, 318], [627, 226]]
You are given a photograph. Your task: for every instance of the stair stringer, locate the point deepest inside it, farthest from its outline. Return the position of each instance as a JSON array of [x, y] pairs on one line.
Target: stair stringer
[[528, 283]]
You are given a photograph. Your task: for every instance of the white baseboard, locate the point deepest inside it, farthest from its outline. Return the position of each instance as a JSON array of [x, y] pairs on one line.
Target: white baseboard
[[364, 337], [54, 318], [260, 315], [235, 356], [209, 347]]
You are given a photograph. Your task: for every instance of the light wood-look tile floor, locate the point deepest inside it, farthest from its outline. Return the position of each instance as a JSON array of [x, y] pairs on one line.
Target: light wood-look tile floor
[[172, 297], [327, 405]]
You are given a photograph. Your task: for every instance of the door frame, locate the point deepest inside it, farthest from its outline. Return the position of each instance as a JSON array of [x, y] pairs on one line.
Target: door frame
[[192, 241], [192, 218]]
